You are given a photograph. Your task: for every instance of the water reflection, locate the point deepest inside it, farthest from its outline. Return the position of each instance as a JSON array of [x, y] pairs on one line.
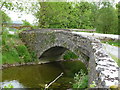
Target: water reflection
[[36, 76]]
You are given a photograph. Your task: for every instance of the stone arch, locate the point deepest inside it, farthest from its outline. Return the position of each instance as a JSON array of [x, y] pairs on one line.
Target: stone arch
[[99, 63], [55, 53]]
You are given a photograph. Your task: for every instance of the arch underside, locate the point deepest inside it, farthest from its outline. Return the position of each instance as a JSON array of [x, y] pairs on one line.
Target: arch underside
[[56, 53], [53, 53]]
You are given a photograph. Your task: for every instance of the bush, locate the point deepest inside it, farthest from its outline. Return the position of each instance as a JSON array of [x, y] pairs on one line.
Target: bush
[[81, 80]]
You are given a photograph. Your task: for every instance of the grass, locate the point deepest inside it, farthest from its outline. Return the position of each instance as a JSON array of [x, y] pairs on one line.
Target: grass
[[111, 42], [114, 43], [117, 60], [23, 53], [13, 50]]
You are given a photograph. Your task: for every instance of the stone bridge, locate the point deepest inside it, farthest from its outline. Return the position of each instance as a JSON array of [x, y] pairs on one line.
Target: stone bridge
[[50, 44]]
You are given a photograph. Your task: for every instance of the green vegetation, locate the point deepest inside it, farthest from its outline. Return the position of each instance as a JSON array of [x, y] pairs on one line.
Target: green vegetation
[[5, 17], [93, 85], [114, 43], [81, 80], [25, 23], [69, 55], [13, 50], [117, 60], [111, 42], [101, 16]]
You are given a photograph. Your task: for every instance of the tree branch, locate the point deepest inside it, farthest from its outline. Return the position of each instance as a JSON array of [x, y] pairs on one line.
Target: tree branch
[[2, 5], [48, 85]]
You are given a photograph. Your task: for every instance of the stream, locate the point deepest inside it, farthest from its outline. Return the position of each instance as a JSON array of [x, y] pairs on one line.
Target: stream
[[36, 76]]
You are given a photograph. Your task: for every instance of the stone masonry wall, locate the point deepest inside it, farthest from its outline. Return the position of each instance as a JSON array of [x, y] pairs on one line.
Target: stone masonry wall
[[103, 70]]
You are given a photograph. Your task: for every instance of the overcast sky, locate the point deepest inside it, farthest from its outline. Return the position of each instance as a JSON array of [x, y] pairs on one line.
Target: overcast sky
[[30, 18]]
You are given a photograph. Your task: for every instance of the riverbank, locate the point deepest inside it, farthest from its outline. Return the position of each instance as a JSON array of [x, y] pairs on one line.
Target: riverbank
[[14, 50], [4, 66]]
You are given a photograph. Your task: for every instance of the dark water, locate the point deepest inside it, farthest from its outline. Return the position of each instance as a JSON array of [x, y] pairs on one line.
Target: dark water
[[36, 76]]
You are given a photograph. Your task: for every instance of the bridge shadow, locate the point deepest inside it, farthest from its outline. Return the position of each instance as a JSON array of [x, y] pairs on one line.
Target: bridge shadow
[[53, 53], [56, 53]]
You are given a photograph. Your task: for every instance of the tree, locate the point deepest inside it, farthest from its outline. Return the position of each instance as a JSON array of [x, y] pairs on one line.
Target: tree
[[64, 15], [5, 17], [53, 14], [83, 11], [118, 13], [107, 20]]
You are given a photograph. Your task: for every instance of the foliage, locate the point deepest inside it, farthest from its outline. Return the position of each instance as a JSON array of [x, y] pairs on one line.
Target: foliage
[[17, 6], [63, 15], [69, 55], [101, 16], [111, 42], [23, 53], [107, 19], [26, 23], [92, 85], [5, 4], [5, 17], [13, 48], [81, 80]]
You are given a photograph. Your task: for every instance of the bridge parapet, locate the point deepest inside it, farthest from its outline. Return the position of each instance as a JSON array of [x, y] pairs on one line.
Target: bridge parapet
[[51, 44]]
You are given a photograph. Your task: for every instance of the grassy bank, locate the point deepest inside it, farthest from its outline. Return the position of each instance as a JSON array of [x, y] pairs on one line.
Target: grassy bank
[[13, 50], [111, 42], [117, 60], [114, 43]]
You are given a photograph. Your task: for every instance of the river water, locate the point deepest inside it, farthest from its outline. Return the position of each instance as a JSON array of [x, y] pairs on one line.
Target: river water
[[36, 76]]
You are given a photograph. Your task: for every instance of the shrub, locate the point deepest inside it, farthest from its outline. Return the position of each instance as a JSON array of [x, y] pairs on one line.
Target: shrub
[[81, 80]]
